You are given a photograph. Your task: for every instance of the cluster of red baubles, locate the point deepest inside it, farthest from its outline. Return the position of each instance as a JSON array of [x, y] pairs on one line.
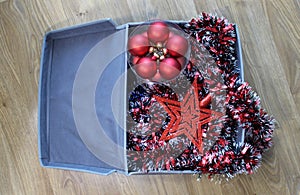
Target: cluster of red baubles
[[158, 53]]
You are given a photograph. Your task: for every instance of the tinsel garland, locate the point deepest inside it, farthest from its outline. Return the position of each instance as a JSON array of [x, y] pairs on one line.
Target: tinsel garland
[[213, 67]]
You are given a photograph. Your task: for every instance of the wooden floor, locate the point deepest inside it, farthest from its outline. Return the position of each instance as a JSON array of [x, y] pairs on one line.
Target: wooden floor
[[270, 35]]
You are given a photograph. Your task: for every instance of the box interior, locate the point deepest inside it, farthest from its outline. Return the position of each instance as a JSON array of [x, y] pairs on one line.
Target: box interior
[[69, 133]]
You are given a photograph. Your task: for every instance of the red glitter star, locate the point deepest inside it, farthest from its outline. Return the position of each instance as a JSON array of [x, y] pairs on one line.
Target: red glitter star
[[187, 117]]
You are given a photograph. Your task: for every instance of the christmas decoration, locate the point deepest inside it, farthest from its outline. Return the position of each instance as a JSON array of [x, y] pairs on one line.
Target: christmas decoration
[[177, 46], [158, 32], [198, 115], [169, 68], [164, 44], [187, 117], [145, 67], [138, 45]]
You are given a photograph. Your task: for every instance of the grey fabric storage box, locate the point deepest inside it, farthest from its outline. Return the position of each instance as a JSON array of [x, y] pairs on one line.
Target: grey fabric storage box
[[82, 67]]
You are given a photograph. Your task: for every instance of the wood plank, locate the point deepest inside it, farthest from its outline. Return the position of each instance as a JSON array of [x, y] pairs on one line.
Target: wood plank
[[270, 38]]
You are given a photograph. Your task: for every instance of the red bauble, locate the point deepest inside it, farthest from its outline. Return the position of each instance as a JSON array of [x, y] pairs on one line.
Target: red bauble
[[169, 68], [157, 77], [182, 61], [145, 68], [135, 59], [177, 46], [138, 45], [145, 34], [158, 32], [171, 34]]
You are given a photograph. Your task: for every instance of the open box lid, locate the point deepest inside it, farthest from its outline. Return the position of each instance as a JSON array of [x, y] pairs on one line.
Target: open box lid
[[82, 97], [79, 68]]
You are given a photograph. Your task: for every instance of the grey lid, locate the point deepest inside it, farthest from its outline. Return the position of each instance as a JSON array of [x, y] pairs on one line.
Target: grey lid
[[79, 70]]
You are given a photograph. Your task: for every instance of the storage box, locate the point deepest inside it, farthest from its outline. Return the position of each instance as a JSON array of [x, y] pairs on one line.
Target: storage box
[[83, 98]]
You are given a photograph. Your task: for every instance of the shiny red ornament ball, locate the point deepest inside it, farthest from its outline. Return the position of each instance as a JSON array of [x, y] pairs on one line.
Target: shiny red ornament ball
[[145, 34], [182, 61], [177, 46], [135, 59], [171, 34], [157, 77], [145, 68], [138, 45], [169, 68], [158, 32]]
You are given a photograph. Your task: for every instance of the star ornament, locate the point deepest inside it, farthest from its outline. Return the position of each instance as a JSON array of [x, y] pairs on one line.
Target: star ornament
[[187, 117]]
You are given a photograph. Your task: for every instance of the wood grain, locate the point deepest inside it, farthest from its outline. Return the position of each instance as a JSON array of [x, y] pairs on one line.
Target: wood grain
[[270, 34]]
